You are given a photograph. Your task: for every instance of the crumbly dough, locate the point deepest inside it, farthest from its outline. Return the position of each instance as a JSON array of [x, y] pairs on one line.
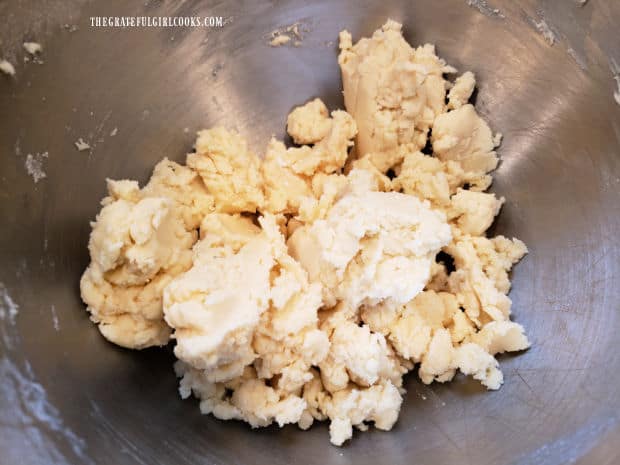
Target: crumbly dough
[[229, 170], [463, 137], [309, 123], [289, 173], [302, 286], [138, 244], [366, 242], [393, 91], [461, 91], [185, 187]]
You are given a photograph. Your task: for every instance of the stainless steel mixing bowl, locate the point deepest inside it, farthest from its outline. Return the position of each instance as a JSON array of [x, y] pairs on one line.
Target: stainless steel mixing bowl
[[68, 396]]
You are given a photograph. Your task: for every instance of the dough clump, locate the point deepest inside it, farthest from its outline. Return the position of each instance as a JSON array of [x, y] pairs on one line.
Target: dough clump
[[303, 285]]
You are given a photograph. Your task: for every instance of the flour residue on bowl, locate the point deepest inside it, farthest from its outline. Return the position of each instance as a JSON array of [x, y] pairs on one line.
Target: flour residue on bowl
[[581, 62], [31, 411], [70, 27], [615, 71], [34, 165], [483, 7], [287, 34], [36, 416], [545, 31], [55, 320], [8, 307]]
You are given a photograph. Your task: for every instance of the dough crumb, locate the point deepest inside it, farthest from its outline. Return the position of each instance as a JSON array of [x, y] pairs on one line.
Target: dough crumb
[[461, 91], [279, 40], [81, 145], [33, 48], [286, 34], [7, 68]]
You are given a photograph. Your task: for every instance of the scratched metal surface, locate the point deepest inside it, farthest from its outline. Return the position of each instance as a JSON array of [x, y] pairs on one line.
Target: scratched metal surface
[[66, 396]]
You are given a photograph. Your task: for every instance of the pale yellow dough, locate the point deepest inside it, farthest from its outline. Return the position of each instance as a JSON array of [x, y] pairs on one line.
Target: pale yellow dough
[[303, 285], [140, 241], [393, 91], [289, 173], [229, 170]]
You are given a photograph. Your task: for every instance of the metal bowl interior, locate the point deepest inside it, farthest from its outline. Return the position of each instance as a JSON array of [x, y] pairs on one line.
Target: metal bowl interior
[[68, 396]]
